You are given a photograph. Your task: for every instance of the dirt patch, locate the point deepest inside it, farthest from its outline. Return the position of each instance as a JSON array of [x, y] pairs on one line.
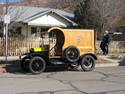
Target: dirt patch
[[118, 56]]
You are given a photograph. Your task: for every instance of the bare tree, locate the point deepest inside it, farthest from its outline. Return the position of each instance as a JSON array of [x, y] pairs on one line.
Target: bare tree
[[109, 11], [70, 5], [105, 13]]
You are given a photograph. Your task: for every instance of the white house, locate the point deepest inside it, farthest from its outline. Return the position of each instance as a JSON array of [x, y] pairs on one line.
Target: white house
[[30, 20]]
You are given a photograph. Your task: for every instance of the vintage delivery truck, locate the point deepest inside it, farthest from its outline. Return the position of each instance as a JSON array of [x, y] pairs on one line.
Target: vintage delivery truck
[[65, 46]]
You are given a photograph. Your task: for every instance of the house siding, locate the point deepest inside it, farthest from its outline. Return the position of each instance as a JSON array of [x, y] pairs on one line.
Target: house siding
[[50, 20]]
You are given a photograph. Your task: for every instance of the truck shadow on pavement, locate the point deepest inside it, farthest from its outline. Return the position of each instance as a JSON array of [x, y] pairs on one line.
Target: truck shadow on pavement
[[14, 67]]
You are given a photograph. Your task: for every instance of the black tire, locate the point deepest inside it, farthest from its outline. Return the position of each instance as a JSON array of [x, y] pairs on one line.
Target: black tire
[[25, 64], [87, 63], [72, 54], [37, 65]]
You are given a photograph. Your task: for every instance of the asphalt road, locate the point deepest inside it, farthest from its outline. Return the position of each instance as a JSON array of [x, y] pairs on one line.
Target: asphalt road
[[109, 80]]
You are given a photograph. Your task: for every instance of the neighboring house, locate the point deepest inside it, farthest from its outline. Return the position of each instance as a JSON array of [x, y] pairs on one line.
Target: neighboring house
[[30, 20]]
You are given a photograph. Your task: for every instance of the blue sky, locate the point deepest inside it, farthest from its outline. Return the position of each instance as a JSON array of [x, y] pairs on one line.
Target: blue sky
[[11, 1]]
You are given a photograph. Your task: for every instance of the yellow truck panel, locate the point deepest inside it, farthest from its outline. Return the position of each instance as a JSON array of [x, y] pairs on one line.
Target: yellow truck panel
[[83, 39]]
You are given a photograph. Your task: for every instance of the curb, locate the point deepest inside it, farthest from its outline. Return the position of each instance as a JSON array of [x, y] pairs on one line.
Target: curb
[[3, 70]]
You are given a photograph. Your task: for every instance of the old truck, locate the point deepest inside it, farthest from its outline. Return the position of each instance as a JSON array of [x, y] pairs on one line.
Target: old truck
[[66, 47]]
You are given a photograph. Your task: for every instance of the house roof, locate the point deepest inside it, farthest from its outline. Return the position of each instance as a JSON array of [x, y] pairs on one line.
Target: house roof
[[26, 14]]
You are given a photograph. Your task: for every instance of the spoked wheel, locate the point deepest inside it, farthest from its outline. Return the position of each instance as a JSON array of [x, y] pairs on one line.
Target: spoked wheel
[[88, 63], [25, 64], [72, 54], [37, 65]]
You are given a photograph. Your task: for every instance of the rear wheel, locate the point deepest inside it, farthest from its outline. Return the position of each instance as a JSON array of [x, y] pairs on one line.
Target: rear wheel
[[87, 63], [72, 54], [37, 65]]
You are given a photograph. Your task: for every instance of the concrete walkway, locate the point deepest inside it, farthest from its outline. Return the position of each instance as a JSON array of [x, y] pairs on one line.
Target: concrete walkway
[[107, 61], [10, 58], [108, 58]]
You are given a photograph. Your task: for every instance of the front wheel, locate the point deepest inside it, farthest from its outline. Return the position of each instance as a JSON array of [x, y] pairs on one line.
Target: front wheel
[[87, 63], [37, 65]]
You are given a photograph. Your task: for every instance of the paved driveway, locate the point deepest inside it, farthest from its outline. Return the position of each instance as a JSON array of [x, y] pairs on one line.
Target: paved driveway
[[109, 80]]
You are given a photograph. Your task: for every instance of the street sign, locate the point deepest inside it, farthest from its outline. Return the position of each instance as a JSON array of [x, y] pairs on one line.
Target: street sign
[[7, 19], [6, 22]]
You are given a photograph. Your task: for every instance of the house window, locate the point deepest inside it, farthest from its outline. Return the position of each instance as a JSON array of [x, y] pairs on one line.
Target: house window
[[43, 32], [44, 29], [18, 30], [33, 30]]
